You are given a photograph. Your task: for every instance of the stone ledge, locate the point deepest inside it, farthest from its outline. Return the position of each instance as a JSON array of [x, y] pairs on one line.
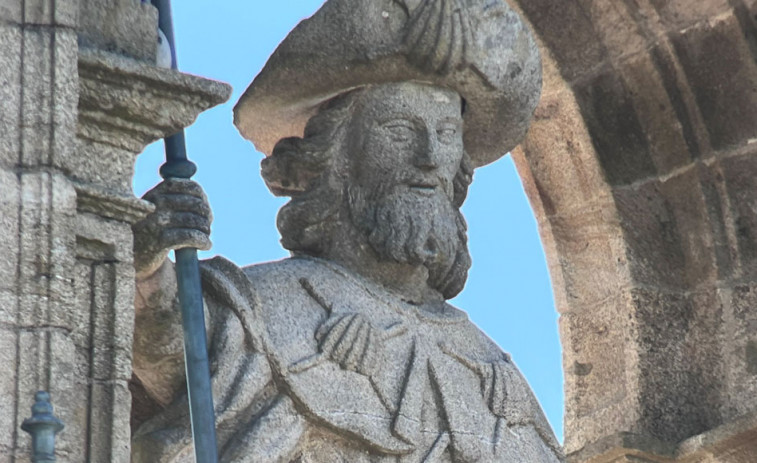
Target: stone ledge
[[734, 442], [613, 448], [110, 205], [129, 104]]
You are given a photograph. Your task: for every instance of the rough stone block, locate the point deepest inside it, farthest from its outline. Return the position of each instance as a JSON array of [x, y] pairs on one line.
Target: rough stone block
[[126, 27], [722, 73], [686, 111], [104, 240], [49, 205], [39, 12], [10, 94], [65, 97], [568, 32], [679, 364], [103, 165], [740, 176], [658, 112], [597, 365], [10, 401], [616, 26], [740, 342], [652, 236], [8, 307], [562, 159], [66, 13], [593, 262], [718, 211], [679, 14], [683, 193], [10, 197], [616, 131], [667, 232], [12, 11], [37, 104], [110, 404]]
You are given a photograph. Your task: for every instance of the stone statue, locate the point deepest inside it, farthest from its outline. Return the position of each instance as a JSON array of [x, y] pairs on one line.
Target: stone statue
[[347, 351]]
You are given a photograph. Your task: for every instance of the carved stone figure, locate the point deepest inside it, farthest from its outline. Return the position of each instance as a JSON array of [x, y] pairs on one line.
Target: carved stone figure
[[347, 351]]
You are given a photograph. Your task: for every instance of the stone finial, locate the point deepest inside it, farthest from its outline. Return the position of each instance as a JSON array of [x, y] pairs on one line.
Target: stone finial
[[43, 426]]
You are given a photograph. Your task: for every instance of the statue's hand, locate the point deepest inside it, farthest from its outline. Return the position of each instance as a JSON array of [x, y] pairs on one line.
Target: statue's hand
[[181, 219]]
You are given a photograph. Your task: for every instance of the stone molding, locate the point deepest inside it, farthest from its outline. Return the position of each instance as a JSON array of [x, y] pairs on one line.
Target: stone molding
[[127, 103], [734, 442], [110, 205], [640, 165]]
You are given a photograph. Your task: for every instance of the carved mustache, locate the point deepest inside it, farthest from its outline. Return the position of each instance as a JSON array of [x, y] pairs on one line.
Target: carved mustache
[[419, 180]]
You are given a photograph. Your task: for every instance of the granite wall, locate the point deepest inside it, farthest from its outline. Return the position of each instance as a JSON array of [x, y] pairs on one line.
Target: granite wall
[[641, 168]]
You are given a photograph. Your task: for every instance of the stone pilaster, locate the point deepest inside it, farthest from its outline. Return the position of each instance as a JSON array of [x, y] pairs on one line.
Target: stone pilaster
[[73, 121], [39, 87]]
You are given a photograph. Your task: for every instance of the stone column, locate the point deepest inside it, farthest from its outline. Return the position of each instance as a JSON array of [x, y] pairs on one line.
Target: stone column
[[73, 121]]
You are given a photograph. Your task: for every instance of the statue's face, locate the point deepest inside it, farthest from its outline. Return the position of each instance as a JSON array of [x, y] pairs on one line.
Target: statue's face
[[408, 134], [405, 143]]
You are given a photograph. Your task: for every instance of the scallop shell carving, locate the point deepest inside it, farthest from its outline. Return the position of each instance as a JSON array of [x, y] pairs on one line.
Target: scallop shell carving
[[439, 36]]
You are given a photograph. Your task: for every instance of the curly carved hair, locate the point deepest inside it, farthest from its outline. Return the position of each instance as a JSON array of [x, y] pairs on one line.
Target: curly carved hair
[[311, 171]]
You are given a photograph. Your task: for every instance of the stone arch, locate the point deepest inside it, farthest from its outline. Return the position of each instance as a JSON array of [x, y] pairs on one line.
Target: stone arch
[[640, 165]]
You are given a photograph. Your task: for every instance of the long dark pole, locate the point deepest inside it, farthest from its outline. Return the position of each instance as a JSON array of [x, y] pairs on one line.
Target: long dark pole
[[190, 291]]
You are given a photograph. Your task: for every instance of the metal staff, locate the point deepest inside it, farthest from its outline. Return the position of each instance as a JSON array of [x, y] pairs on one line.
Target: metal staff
[[190, 291]]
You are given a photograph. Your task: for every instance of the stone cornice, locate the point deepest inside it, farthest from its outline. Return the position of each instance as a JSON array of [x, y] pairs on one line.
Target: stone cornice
[[110, 205], [129, 104], [733, 442]]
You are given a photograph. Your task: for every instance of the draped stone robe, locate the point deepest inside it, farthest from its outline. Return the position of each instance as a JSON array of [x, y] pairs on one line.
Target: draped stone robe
[[407, 384]]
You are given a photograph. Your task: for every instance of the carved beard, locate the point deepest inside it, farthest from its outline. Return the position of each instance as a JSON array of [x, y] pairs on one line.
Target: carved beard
[[408, 227]]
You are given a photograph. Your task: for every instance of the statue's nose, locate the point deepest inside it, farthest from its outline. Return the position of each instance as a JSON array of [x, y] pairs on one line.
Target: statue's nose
[[426, 156]]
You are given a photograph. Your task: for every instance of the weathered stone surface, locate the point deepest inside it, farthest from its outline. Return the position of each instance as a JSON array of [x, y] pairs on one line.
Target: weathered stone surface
[[664, 91], [740, 182], [128, 113], [615, 128], [10, 75], [67, 277], [599, 390], [723, 75], [374, 364], [569, 35], [680, 14], [124, 27], [480, 50], [740, 330], [640, 167], [348, 351], [657, 111], [554, 135]]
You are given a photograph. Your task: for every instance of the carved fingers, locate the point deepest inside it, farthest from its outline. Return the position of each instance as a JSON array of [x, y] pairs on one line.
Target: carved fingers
[[181, 219], [496, 378], [353, 343]]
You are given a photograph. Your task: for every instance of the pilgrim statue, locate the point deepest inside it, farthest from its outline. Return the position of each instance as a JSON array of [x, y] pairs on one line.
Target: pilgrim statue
[[373, 115]]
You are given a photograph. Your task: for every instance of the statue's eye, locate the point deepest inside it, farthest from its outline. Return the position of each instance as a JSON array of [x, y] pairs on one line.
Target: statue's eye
[[400, 130], [446, 133]]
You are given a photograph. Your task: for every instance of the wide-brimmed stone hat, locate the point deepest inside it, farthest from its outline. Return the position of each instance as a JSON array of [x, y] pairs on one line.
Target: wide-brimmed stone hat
[[480, 48]]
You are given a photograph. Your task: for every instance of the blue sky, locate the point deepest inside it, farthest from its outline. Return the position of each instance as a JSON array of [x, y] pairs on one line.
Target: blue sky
[[508, 293]]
